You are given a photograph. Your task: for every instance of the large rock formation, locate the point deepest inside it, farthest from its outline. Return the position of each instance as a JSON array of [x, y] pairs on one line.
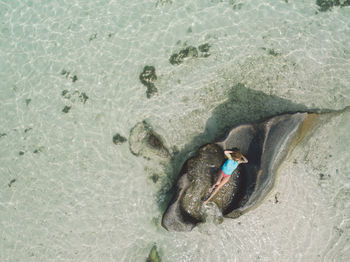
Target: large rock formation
[[266, 144]]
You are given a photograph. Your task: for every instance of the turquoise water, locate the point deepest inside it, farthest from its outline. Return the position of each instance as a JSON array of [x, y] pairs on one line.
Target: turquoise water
[[69, 194]]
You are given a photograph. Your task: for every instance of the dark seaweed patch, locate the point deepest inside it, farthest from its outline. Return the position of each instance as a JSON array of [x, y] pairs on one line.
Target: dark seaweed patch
[[64, 93], [3, 134], [326, 5], [73, 95], [151, 90], [21, 153], [28, 101], [27, 129], [154, 178], [235, 5], [323, 176], [187, 52], [276, 197], [147, 78], [66, 73], [66, 109], [92, 37], [204, 49], [11, 182], [273, 52], [83, 97], [118, 139], [38, 150]]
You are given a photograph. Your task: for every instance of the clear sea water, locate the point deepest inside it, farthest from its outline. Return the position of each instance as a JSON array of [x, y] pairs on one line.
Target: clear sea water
[[67, 193]]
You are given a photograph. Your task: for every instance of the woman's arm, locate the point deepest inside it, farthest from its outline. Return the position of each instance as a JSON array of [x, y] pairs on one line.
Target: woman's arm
[[245, 160], [228, 154]]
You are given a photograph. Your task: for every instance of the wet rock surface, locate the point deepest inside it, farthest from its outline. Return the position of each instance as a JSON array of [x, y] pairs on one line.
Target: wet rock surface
[[265, 143], [147, 78]]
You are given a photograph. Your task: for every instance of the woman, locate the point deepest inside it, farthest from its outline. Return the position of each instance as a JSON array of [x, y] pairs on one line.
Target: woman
[[234, 158]]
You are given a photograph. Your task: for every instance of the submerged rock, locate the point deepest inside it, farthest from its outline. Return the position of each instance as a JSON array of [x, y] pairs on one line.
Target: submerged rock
[[147, 78], [143, 141], [266, 144]]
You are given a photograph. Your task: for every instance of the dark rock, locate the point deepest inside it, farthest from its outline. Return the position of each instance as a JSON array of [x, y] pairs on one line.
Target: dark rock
[[143, 141], [27, 129], [28, 101], [147, 78], [118, 139], [153, 255], [326, 5], [21, 153], [2, 134], [187, 52], [265, 143], [74, 78], [66, 109]]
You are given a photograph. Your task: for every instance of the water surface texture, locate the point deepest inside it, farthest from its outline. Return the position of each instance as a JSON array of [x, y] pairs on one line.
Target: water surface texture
[[70, 82]]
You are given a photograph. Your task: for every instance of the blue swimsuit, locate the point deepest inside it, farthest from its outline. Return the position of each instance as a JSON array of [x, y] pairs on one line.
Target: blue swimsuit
[[229, 166]]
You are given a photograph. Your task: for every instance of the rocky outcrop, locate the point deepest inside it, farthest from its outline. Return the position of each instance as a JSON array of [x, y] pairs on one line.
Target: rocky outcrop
[[144, 141], [266, 144]]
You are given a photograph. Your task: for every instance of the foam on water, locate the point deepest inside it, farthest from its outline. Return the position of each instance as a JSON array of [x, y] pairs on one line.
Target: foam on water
[[69, 194]]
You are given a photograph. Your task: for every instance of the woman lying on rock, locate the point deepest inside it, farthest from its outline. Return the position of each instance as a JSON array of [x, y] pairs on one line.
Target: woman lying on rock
[[234, 158]]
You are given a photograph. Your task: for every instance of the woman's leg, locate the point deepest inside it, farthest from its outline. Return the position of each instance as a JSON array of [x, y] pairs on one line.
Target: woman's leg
[[218, 181], [223, 181]]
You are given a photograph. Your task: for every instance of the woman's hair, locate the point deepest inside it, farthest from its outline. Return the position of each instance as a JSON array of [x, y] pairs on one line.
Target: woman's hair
[[236, 154]]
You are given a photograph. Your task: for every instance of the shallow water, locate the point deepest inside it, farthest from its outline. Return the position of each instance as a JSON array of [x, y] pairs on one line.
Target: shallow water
[[69, 194]]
